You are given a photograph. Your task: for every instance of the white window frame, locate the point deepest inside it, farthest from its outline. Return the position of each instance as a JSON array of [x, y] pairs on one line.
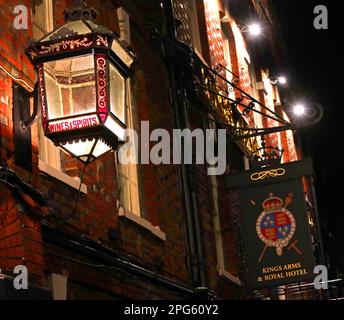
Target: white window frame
[[49, 155], [130, 194], [221, 267], [125, 206], [217, 228], [125, 210], [46, 11]]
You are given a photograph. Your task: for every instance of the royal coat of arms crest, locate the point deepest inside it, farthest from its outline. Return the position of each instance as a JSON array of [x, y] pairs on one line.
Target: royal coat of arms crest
[[276, 225]]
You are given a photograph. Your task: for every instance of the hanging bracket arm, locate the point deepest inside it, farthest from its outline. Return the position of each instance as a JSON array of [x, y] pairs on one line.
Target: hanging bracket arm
[[28, 122]]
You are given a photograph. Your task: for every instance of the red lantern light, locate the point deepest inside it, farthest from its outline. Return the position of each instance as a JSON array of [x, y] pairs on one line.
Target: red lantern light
[[82, 71]]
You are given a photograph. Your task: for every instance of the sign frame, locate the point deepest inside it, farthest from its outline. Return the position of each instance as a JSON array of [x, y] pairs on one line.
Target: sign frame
[[274, 226]]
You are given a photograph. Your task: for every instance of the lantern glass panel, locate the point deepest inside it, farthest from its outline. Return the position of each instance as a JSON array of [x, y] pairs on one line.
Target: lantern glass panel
[[94, 147], [70, 86], [117, 94]]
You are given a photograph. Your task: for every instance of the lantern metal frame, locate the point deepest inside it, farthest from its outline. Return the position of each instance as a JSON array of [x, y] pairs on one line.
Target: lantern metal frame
[[106, 50]]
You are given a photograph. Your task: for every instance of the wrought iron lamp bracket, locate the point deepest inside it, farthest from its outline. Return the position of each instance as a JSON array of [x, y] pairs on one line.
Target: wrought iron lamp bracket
[[28, 122], [246, 104]]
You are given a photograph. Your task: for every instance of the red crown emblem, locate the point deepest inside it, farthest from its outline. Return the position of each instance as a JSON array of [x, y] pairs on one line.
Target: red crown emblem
[[272, 204]]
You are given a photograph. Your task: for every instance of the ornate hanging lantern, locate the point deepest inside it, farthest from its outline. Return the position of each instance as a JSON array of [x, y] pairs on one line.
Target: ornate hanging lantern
[[82, 71]]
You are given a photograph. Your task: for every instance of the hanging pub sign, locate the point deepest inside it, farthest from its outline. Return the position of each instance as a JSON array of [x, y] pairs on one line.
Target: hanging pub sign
[[274, 225]]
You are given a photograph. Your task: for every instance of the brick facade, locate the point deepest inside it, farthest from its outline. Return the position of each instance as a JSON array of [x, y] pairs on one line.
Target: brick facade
[[36, 236]]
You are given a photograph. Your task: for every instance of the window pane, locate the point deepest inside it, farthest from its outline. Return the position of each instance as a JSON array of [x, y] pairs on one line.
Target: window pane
[[130, 198], [70, 86], [134, 189], [130, 192], [117, 94]]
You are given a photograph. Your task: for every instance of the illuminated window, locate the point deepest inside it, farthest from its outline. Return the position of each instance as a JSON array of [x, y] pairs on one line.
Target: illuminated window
[[128, 174], [51, 159], [42, 22], [130, 198]]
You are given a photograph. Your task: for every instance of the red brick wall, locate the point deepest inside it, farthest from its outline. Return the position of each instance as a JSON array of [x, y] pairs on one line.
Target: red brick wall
[[160, 184], [202, 184], [226, 200], [162, 201], [20, 238], [214, 35], [12, 40], [96, 211]]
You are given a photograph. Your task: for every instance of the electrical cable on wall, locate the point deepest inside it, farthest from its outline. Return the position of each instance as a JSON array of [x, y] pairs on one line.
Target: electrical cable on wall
[[92, 265], [16, 79], [79, 190]]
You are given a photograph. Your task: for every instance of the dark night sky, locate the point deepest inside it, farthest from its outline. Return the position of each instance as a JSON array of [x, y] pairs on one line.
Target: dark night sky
[[315, 66]]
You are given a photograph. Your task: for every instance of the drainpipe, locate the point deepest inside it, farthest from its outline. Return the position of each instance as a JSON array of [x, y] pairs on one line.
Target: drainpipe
[[179, 101], [190, 183]]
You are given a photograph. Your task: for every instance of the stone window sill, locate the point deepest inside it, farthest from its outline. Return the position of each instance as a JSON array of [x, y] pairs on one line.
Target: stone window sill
[[68, 180], [143, 223]]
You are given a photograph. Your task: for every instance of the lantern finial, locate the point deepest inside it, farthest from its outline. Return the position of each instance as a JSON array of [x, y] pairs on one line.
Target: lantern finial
[[80, 11]]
